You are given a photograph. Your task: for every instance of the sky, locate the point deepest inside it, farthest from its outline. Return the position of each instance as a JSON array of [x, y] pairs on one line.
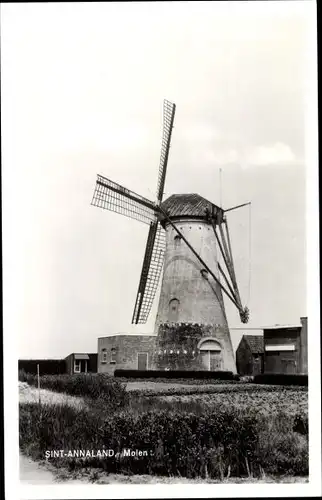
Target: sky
[[82, 93]]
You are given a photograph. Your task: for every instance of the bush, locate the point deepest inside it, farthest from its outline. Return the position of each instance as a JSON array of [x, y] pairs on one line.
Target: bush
[[281, 379], [301, 424], [282, 450], [97, 386], [174, 374], [177, 443]]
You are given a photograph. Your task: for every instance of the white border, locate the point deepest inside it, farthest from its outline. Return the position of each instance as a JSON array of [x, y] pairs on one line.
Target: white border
[[14, 490]]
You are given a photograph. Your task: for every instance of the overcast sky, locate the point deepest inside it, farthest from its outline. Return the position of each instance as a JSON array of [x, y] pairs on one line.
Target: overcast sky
[[83, 86]]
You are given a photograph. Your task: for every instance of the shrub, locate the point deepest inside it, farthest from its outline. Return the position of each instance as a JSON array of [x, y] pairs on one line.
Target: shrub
[[177, 443], [174, 374], [281, 450], [301, 424], [281, 379]]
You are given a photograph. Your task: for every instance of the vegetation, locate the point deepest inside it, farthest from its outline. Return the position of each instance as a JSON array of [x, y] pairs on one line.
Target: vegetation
[[281, 379], [209, 388], [208, 431], [217, 443], [96, 386], [175, 374]]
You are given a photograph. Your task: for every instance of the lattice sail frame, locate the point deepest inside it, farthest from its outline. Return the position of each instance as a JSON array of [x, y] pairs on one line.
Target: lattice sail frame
[[112, 196], [151, 272], [168, 117]]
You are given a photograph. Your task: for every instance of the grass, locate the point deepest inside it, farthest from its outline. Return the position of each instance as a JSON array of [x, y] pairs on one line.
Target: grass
[[96, 386]]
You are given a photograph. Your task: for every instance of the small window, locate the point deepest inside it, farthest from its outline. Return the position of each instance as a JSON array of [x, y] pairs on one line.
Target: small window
[[77, 366], [113, 355], [173, 310], [204, 273], [103, 356], [177, 240]]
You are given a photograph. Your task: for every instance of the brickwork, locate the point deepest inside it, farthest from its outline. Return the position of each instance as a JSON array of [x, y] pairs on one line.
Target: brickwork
[[191, 305], [178, 347], [121, 351], [200, 299]]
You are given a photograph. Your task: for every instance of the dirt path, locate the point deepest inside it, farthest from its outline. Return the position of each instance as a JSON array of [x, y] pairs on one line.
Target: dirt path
[[29, 394], [32, 472]]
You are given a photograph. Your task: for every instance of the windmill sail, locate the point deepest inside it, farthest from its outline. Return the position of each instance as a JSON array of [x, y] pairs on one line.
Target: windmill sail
[[112, 196], [168, 116], [150, 274]]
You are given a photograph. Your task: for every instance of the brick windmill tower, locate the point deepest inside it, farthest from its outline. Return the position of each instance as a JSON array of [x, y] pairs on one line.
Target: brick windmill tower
[[186, 234]]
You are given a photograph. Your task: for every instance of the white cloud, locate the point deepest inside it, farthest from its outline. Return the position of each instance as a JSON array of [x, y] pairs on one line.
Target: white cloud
[[275, 154]]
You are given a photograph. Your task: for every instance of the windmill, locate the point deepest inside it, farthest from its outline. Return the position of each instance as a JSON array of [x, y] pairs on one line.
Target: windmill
[[185, 231]]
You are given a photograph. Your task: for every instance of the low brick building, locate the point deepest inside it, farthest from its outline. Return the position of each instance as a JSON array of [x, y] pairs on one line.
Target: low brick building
[[124, 351], [81, 363], [250, 355], [285, 349]]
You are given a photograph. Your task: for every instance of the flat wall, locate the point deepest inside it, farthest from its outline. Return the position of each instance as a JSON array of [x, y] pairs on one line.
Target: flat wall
[[46, 366], [121, 351], [280, 361]]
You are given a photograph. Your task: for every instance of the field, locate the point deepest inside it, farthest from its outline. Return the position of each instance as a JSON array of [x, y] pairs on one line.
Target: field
[[198, 431]]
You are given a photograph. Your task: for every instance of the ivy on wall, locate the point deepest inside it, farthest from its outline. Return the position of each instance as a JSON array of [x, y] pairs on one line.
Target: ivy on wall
[[176, 346]]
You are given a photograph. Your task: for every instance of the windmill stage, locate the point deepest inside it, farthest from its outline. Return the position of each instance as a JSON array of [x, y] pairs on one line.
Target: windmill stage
[[187, 233]]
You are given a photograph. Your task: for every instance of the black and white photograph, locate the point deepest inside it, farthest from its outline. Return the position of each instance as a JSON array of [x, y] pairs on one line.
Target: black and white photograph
[[160, 249]]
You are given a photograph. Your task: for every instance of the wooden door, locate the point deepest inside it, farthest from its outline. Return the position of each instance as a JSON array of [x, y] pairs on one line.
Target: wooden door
[[257, 366], [215, 360], [142, 361], [205, 360]]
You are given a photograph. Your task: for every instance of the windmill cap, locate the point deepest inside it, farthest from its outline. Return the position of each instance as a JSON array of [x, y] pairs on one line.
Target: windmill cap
[[189, 205]]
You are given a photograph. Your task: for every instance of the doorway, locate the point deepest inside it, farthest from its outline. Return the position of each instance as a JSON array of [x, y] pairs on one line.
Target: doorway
[[80, 366], [211, 355], [257, 365], [142, 361]]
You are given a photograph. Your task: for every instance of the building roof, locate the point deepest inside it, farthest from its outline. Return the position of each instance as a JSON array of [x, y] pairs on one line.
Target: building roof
[[140, 335], [256, 343], [81, 356], [188, 205], [282, 327]]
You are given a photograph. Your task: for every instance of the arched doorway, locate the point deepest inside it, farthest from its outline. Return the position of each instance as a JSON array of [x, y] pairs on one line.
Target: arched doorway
[[211, 355]]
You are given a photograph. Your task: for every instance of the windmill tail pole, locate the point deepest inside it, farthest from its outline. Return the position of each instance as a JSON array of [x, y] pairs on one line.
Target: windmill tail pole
[[243, 312]]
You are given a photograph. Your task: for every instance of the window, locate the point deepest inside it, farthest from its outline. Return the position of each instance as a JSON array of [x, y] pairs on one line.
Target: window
[[103, 356], [177, 240], [77, 366], [113, 355], [204, 273], [280, 347], [173, 310]]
